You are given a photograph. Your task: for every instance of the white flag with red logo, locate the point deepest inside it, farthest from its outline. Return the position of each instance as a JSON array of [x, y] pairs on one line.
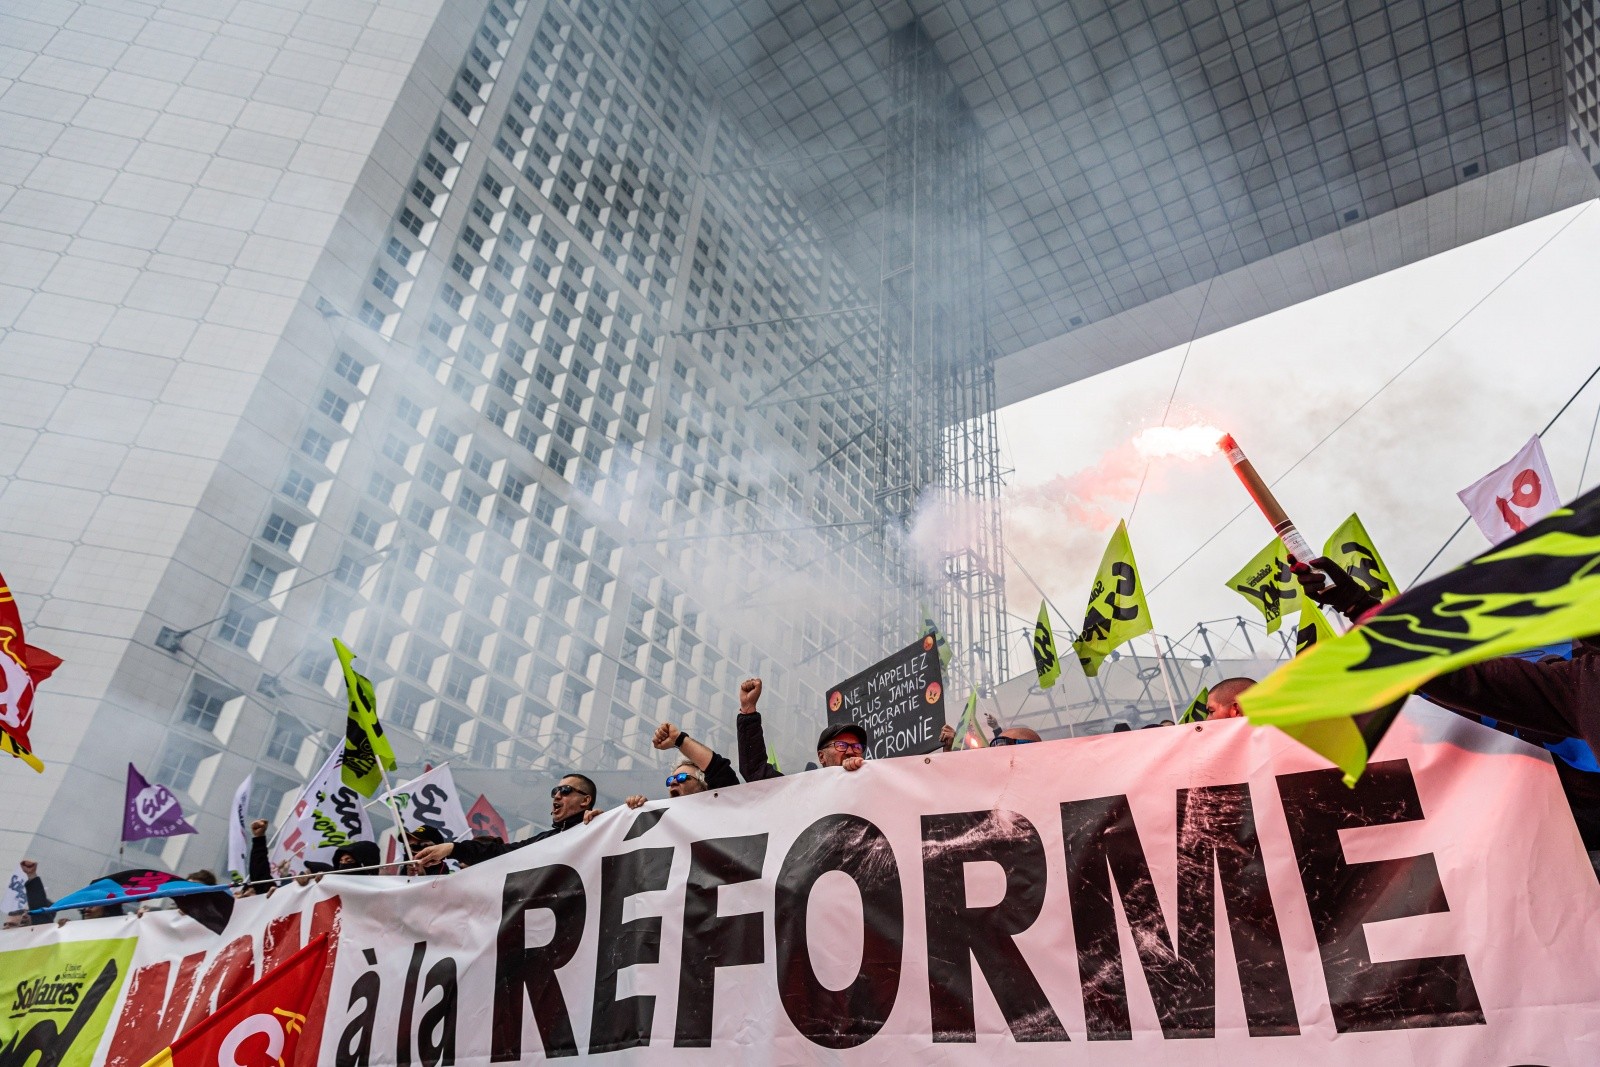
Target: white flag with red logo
[[1512, 497]]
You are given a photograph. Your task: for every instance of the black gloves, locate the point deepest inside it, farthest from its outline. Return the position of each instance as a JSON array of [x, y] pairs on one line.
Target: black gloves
[[1342, 593]]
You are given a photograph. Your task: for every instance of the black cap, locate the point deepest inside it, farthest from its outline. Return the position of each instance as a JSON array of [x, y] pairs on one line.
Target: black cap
[[831, 732]]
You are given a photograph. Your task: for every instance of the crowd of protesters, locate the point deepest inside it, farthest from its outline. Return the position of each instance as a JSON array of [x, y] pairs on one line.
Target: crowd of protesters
[[1544, 701]]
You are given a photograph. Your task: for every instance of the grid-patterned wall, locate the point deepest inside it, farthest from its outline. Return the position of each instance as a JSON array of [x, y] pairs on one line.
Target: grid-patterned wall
[[552, 521], [1580, 53]]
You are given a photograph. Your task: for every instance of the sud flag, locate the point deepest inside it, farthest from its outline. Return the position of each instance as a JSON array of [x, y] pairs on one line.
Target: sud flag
[[1352, 548], [151, 810], [1540, 587], [485, 821], [21, 670], [1268, 583], [430, 800], [1513, 496], [1044, 650], [1117, 611], [239, 833], [366, 751], [1198, 710], [259, 1027]]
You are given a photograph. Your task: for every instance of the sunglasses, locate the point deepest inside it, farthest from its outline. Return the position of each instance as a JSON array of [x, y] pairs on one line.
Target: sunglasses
[[566, 791], [681, 777], [997, 742], [847, 747]]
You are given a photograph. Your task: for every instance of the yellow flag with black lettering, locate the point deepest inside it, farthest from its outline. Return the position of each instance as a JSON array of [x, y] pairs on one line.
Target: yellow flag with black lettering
[[1044, 650], [1540, 587], [1268, 584], [1351, 547], [969, 734], [1313, 628], [1336, 740], [1117, 611], [366, 751], [1198, 710]]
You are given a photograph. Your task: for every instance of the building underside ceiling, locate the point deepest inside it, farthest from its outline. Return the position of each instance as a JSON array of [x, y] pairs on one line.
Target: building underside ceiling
[[1136, 149]]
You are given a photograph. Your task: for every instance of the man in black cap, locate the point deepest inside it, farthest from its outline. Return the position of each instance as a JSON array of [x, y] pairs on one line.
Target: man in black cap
[[843, 745]]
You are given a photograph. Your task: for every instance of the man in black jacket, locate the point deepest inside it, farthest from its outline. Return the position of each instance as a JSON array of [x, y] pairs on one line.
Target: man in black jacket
[[571, 800], [700, 769], [843, 745]]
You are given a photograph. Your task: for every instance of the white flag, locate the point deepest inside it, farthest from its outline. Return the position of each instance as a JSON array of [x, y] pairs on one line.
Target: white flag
[[17, 892], [327, 816], [1512, 497], [431, 799], [239, 834]]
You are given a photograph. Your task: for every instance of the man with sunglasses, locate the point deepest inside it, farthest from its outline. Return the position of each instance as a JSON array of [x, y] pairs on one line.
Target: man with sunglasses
[[570, 801], [1016, 735], [700, 769], [842, 745]]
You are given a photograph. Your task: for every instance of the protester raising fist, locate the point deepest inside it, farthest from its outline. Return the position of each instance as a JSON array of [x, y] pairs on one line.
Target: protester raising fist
[[749, 693]]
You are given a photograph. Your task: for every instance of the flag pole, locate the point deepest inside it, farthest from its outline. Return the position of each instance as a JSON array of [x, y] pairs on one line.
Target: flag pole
[[399, 826], [1161, 663]]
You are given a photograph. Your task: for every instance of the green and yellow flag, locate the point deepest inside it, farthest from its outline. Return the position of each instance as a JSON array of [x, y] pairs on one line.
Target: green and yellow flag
[[1268, 584], [366, 751], [1540, 587], [1044, 650], [1312, 629], [1117, 611], [1351, 548], [772, 758], [968, 733], [1198, 710]]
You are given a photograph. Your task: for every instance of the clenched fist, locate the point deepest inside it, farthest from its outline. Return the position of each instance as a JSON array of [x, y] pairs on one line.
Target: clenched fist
[[947, 736], [258, 828], [666, 734], [749, 693]]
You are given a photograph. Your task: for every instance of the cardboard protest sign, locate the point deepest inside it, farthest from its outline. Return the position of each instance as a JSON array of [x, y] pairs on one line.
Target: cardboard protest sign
[[900, 701]]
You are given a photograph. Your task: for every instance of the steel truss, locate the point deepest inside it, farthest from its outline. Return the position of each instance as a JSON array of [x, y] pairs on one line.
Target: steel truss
[[938, 444]]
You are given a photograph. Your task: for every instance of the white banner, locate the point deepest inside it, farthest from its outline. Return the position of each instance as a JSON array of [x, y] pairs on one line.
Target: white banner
[[328, 816], [430, 799], [239, 833], [1199, 895], [16, 897], [1513, 496]]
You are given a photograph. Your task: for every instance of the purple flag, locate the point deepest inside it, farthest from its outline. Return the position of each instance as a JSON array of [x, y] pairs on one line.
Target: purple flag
[[152, 811]]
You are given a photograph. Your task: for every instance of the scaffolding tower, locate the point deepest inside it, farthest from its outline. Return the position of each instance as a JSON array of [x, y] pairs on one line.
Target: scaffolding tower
[[940, 455]]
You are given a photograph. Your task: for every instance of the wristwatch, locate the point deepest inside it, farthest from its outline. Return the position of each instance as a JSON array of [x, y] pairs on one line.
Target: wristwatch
[[682, 737]]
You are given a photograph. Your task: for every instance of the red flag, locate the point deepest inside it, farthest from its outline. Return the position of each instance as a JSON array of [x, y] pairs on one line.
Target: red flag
[[21, 670], [262, 1025], [485, 821]]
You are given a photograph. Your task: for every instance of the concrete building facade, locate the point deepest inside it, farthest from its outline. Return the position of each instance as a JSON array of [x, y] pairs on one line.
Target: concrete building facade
[[527, 345]]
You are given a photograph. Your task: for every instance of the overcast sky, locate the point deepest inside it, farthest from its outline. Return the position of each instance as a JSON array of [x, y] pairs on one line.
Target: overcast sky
[[1281, 383]]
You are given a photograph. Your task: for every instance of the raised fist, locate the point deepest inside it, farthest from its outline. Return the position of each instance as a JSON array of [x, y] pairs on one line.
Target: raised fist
[[666, 733], [29, 867], [258, 828], [749, 693]]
